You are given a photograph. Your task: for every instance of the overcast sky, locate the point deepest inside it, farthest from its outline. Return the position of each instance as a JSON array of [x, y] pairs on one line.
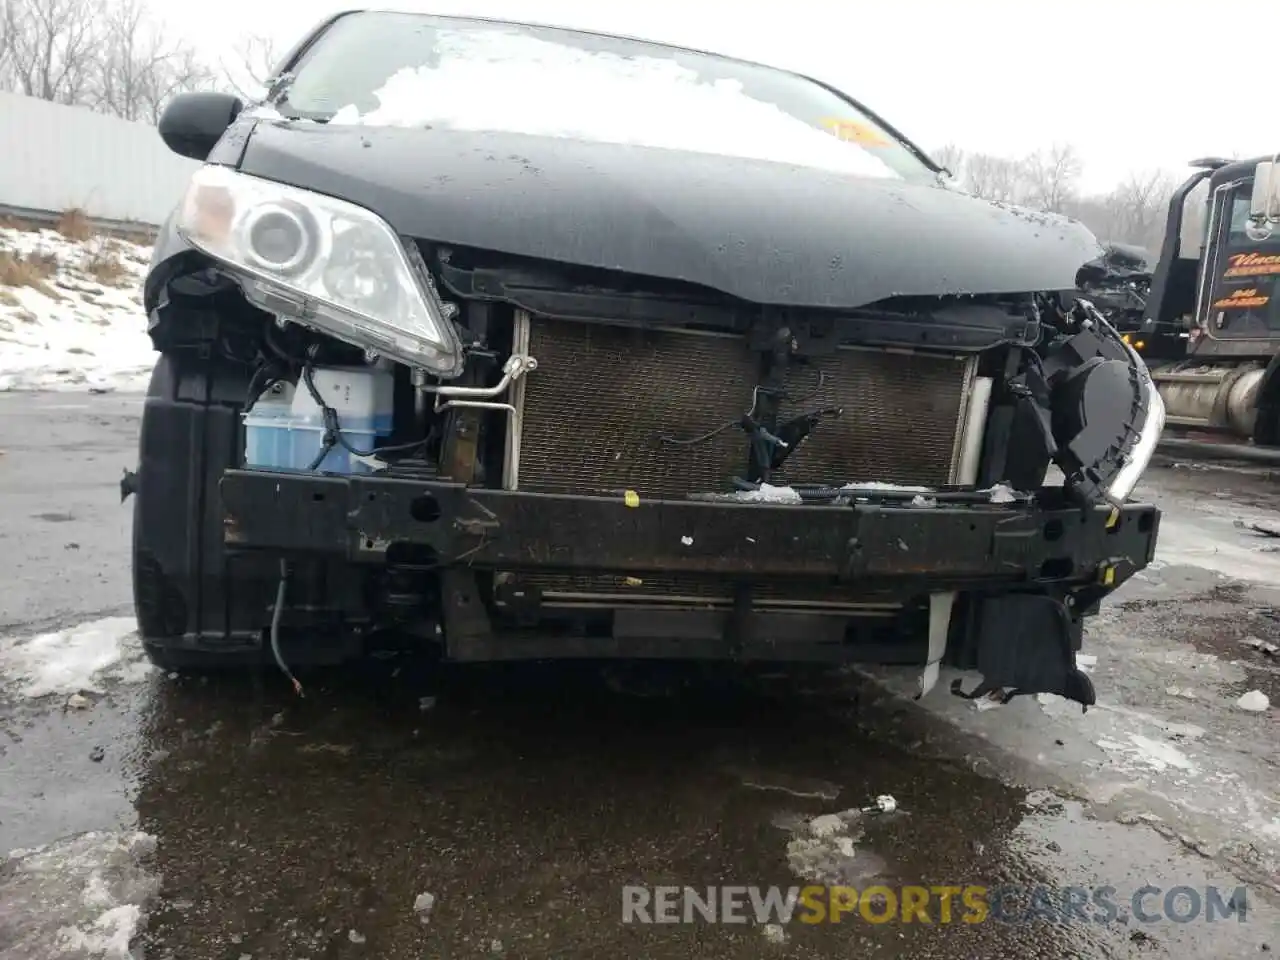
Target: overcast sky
[[1118, 78]]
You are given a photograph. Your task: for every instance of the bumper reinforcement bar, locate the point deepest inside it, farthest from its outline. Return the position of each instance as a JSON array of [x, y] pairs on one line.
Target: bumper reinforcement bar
[[359, 517]]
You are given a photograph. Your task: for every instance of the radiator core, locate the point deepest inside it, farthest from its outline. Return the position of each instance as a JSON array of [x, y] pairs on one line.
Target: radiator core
[[595, 411]]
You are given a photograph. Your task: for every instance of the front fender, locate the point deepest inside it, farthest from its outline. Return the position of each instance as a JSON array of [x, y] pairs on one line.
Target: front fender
[[171, 257]]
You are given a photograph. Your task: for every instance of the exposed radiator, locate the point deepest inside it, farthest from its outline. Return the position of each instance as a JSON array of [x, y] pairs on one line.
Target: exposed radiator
[[602, 397]]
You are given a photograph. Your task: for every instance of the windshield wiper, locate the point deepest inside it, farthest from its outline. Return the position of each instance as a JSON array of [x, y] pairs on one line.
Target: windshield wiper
[[277, 97]]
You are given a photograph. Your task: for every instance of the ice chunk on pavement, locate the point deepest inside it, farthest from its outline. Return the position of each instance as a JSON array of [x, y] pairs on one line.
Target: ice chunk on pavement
[[1255, 701], [826, 825], [774, 933], [885, 803], [423, 905], [82, 897], [82, 657]]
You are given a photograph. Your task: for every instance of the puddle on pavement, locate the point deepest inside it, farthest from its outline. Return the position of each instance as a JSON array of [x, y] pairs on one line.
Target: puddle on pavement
[[523, 801], [520, 801], [64, 771]]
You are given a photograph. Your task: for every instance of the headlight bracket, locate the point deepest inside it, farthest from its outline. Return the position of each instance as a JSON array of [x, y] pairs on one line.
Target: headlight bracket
[[1100, 400]]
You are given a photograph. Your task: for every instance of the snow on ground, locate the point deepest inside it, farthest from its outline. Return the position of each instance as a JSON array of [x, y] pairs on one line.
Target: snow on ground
[[85, 657], [1168, 742], [1216, 535], [81, 897], [71, 312]]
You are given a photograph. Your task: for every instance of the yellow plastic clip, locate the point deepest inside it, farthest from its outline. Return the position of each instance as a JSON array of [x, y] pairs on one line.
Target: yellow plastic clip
[[1114, 518], [1107, 575], [633, 582], [631, 498]]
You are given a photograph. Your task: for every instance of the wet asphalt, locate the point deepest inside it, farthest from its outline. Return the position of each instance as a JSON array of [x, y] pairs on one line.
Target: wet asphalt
[[524, 798]]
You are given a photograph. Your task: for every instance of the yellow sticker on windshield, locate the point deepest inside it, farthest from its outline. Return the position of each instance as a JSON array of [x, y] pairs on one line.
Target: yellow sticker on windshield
[[852, 131]]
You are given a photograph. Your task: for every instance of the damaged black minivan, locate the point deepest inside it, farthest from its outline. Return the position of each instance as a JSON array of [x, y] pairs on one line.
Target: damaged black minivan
[[519, 342]]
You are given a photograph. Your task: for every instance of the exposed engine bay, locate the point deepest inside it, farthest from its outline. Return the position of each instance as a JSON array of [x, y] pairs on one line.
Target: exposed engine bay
[[582, 388], [594, 386]]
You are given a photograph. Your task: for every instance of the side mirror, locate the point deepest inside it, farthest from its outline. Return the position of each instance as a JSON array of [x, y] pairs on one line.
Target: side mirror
[[1265, 205], [193, 123], [1195, 210]]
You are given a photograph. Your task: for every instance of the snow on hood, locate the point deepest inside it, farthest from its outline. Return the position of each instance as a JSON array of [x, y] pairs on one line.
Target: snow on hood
[[491, 80]]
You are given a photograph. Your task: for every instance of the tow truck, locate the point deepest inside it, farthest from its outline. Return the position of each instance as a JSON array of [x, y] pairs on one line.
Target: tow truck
[[1218, 280]]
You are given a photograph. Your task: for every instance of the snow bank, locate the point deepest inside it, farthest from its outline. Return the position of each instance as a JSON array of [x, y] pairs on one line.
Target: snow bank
[[71, 312], [82, 897], [83, 657]]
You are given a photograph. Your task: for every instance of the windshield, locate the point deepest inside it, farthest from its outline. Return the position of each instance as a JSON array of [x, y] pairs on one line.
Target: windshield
[[1240, 225], [414, 70]]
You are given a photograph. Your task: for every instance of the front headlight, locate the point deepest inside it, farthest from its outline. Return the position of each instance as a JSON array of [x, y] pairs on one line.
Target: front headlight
[[322, 262], [1139, 457]]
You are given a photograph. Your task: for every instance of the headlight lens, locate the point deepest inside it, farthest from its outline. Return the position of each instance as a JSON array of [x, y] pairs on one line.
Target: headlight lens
[[1149, 435], [280, 237], [323, 262]]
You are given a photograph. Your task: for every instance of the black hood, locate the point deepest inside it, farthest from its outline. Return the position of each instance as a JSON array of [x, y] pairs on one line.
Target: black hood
[[765, 232]]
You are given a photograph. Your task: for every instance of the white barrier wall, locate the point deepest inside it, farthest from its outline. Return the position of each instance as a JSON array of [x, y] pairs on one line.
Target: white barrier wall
[[54, 157]]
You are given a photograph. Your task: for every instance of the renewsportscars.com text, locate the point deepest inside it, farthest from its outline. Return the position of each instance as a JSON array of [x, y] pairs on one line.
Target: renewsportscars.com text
[[967, 904]]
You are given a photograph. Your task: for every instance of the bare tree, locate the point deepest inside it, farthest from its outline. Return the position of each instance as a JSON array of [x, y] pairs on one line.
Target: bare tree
[[50, 49], [6, 35], [1053, 176], [110, 55], [1139, 206], [996, 178], [952, 158], [1135, 211], [140, 68], [252, 63]]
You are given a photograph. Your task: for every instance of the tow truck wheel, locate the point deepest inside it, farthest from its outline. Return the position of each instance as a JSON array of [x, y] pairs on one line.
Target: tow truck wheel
[[1266, 427], [195, 609]]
